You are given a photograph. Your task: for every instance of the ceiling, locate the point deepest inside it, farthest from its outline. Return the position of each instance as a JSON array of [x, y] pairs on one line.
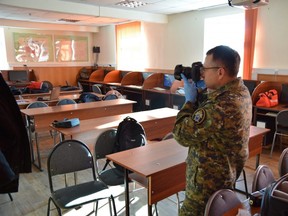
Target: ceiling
[[97, 12]]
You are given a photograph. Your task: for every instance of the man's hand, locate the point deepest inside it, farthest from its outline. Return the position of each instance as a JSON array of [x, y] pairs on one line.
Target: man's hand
[[189, 89]]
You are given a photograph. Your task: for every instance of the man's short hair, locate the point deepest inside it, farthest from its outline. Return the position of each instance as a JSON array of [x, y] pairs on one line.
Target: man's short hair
[[228, 57]]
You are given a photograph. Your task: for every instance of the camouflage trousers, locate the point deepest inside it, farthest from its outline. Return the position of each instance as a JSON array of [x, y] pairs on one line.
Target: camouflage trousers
[[199, 188]]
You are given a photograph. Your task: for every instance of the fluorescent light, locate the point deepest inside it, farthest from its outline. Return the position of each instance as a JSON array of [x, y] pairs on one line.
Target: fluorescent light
[[131, 4]]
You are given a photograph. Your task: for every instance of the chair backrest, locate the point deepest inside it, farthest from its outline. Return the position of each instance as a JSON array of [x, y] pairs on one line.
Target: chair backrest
[[36, 104], [263, 87], [222, 201], [283, 163], [110, 97], [96, 89], [105, 143], [168, 136], [47, 84], [263, 177], [67, 157], [282, 121], [66, 101]]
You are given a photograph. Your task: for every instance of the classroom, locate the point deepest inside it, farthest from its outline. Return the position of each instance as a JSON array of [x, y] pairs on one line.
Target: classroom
[[135, 51]]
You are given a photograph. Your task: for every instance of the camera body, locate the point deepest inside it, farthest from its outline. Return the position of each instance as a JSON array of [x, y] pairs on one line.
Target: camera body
[[189, 72]]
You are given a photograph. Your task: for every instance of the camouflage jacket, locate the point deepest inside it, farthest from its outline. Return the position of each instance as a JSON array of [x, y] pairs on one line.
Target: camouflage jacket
[[217, 132]]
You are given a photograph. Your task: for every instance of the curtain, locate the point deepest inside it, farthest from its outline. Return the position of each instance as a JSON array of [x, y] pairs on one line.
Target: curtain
[[128, 46], [249, 42]]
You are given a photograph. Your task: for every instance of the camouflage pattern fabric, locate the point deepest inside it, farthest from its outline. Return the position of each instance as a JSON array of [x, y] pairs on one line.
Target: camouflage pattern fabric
[[217, 134]]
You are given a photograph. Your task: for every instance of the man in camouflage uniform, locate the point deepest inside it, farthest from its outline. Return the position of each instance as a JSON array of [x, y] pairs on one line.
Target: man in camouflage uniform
[[216, 129]]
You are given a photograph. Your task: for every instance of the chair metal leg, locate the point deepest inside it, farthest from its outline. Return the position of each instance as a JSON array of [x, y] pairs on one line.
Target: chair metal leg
[[273, 144], [245, 183], [38, 152], [10, 196]]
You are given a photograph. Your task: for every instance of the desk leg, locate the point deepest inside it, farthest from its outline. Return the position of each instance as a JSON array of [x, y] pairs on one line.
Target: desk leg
[[257, 160], [150, 213], [126, 182]]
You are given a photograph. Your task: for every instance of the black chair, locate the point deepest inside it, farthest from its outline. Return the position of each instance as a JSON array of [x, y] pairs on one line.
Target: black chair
[[221, 202], [96, 89], [105, 144], [281, 128], [47, 85], [67, 159], [65, 101], [283, 163]]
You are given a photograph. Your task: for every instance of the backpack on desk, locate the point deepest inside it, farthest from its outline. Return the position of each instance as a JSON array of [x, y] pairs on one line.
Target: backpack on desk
[[130, 134]]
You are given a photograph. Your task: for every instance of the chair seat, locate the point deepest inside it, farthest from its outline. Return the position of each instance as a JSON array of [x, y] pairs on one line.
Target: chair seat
[[112, 177], [69, 197]]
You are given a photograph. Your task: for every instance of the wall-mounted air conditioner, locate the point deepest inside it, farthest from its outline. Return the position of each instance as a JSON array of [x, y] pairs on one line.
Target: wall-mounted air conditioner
[[248, 4]]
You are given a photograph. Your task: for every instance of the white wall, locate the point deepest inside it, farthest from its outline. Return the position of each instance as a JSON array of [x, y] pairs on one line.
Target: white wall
[[106, 40], [272, 36]]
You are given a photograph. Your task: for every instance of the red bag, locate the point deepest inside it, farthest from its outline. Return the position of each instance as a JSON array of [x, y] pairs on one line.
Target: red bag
[[268, 99]]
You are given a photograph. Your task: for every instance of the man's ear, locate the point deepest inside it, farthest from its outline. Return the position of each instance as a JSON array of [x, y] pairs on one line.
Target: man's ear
[[221, 72]]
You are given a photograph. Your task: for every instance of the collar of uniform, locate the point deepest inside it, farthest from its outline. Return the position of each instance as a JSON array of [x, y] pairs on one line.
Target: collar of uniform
[[233, 84]]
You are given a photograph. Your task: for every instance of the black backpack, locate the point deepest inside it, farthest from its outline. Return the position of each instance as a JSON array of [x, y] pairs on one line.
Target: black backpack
[[275, 200], [130, 134], [86, 97]]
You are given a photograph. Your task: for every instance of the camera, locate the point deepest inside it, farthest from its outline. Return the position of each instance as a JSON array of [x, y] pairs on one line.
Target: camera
[[189, 72]]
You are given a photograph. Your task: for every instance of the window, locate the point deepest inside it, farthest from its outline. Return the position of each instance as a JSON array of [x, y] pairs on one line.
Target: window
[[129, 46], [226, 30]]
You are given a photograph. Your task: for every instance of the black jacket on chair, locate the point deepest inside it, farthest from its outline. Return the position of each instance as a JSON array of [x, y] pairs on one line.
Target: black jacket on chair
[[14, 143]]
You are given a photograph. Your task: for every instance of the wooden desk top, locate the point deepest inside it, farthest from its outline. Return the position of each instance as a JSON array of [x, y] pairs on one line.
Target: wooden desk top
[[151, 158], [48, 93], [113, 121], [277, 108], [160, 155], [75, 107], [256, 131]]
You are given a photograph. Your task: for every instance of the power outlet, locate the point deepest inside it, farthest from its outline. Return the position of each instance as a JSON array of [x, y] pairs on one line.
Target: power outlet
[[147, 102]]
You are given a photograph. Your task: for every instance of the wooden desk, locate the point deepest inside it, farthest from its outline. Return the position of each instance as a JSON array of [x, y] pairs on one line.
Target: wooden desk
[[267, 115], [48, 93], [157, 123], [256, 139], [23, 103], [44, 116], [163, 165], [267, 111]]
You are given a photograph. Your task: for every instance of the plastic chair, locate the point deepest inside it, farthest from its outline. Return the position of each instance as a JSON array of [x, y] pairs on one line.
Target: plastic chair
[[65, 101], [221, 202], [283, 163], [281, 127], [68, 158], [263, 177], [96, 89]]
